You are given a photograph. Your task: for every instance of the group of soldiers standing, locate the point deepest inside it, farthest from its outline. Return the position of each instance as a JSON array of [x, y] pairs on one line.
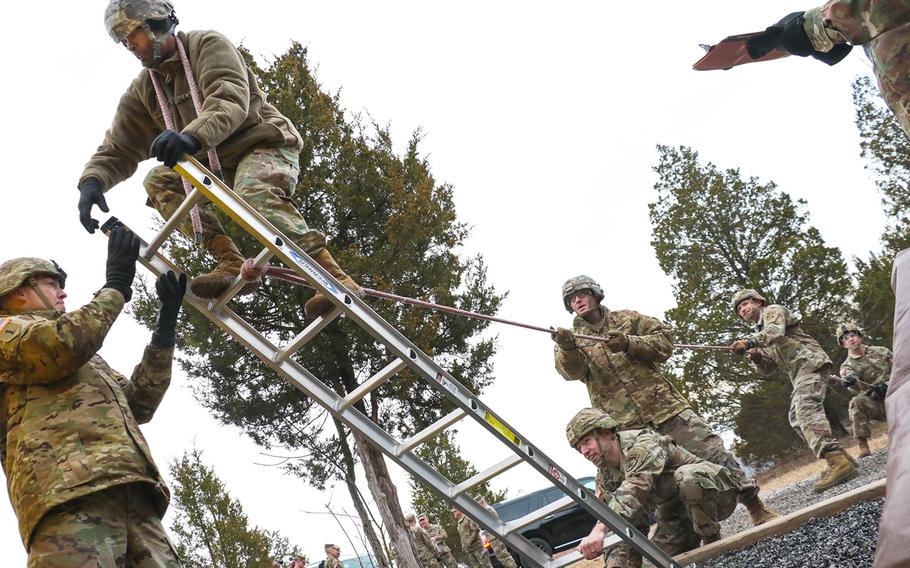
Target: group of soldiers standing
[[434, 552]]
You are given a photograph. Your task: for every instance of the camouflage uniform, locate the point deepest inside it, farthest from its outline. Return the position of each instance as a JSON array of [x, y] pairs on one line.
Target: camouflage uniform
[[438, 534], [499, 548], [689, 496], [630, 387], [472, 544], [426, 549], [882, 27], [258, 147], [80, 475], [786, 346], [332, 562], [872, 367]]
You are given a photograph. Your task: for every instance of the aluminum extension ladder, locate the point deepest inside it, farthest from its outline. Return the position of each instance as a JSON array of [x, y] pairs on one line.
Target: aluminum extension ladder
[[406, 354]]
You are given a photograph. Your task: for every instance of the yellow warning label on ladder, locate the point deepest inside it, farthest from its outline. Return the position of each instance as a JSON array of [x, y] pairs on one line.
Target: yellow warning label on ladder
[[501, 428]]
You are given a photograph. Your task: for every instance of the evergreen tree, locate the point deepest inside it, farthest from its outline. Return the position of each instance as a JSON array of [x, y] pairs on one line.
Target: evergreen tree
[[210, 526], [392, 227], [714, 232], [886, 149]]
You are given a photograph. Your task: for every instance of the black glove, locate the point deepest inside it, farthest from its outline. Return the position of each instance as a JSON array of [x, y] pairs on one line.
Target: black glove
[[169, 147], [170, 290], [790, 35], [90, 194], [881, 389], [122, 252], [849, 380]]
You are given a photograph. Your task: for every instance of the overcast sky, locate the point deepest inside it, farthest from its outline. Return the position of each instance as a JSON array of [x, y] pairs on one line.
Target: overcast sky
[[543, 116]]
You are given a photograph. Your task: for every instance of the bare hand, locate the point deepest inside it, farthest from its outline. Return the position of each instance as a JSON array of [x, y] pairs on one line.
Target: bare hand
[[592, 546]]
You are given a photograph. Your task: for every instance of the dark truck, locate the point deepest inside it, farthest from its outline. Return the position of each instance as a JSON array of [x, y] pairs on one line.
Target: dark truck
[[555, 532]]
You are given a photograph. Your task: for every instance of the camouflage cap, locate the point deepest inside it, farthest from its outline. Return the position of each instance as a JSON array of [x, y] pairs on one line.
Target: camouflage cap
[[585, 421], [745, 294], [410, 517], [15, 273], [843, 328], [577, 284], [122, 17], [335, 546]]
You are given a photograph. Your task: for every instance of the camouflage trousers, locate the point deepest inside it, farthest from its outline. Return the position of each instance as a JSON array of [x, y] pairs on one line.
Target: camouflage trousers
[[863, 410], [502, 553], [265, 178], [114, 528], [428, 561], [694, 434], [707, 495], [478, 558], [807, 411], [446, 559]]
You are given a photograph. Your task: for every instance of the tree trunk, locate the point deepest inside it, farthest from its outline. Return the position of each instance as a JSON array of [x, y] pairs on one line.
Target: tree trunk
[[386, 497], [351, 482]]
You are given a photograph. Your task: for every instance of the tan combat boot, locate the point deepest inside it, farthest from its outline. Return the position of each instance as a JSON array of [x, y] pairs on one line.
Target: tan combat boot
[[319, 305], [864, 451], [229, 259], [758, 511], [840, 469], [709, 538]]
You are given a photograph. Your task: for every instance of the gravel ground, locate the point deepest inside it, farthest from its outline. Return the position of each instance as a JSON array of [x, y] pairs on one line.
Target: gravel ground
[[845, 540], [799, 495]]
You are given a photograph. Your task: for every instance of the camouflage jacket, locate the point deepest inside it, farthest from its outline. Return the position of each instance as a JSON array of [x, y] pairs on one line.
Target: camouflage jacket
[[426, 548], [235, 118], [438, 534], [882, 27], [628, 386], [785, 345], [469, 533], [69, 424], [332, 562], [873, 367], [644, 478]]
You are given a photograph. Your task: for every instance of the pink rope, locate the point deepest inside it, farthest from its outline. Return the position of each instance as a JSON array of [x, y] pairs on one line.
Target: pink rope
[[249, 272], [197, 102]]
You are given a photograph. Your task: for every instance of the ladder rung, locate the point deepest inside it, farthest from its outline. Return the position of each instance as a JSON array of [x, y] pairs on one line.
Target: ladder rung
[[483, 476], [430, 431], [306, 335], [535, 516], [261, 260], [182, 211], [575, 556], [375, 381]]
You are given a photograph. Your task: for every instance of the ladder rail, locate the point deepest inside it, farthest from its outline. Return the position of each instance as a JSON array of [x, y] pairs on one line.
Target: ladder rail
[[356, 310]]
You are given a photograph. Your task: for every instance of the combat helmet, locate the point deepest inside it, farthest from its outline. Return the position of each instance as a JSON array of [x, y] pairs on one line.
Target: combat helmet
[[577, 284], [745, 294], [123, 17], [17, 272], [844, 327], [585, 421]]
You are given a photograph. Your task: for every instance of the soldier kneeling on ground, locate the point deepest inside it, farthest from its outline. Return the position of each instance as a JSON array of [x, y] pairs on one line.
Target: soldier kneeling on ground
[[642, 474]]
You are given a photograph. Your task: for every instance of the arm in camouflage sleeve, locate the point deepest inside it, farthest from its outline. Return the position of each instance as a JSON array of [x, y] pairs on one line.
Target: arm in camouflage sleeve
[[46, 351], [645, 461], [149, 382], [570, 364], [125, 144], [763, 365], [653, 341], [853, 21], [774, 320], [222, 77]]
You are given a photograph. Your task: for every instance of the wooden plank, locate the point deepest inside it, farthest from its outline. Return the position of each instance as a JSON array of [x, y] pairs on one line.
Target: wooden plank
[[784, 524]]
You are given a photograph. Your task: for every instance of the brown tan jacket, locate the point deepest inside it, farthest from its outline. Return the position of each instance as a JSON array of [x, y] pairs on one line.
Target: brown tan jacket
[[236, 117]]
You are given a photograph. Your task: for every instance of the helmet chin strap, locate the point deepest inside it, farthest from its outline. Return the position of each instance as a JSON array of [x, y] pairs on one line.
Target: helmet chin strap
[[158, 40], [33, 282]]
